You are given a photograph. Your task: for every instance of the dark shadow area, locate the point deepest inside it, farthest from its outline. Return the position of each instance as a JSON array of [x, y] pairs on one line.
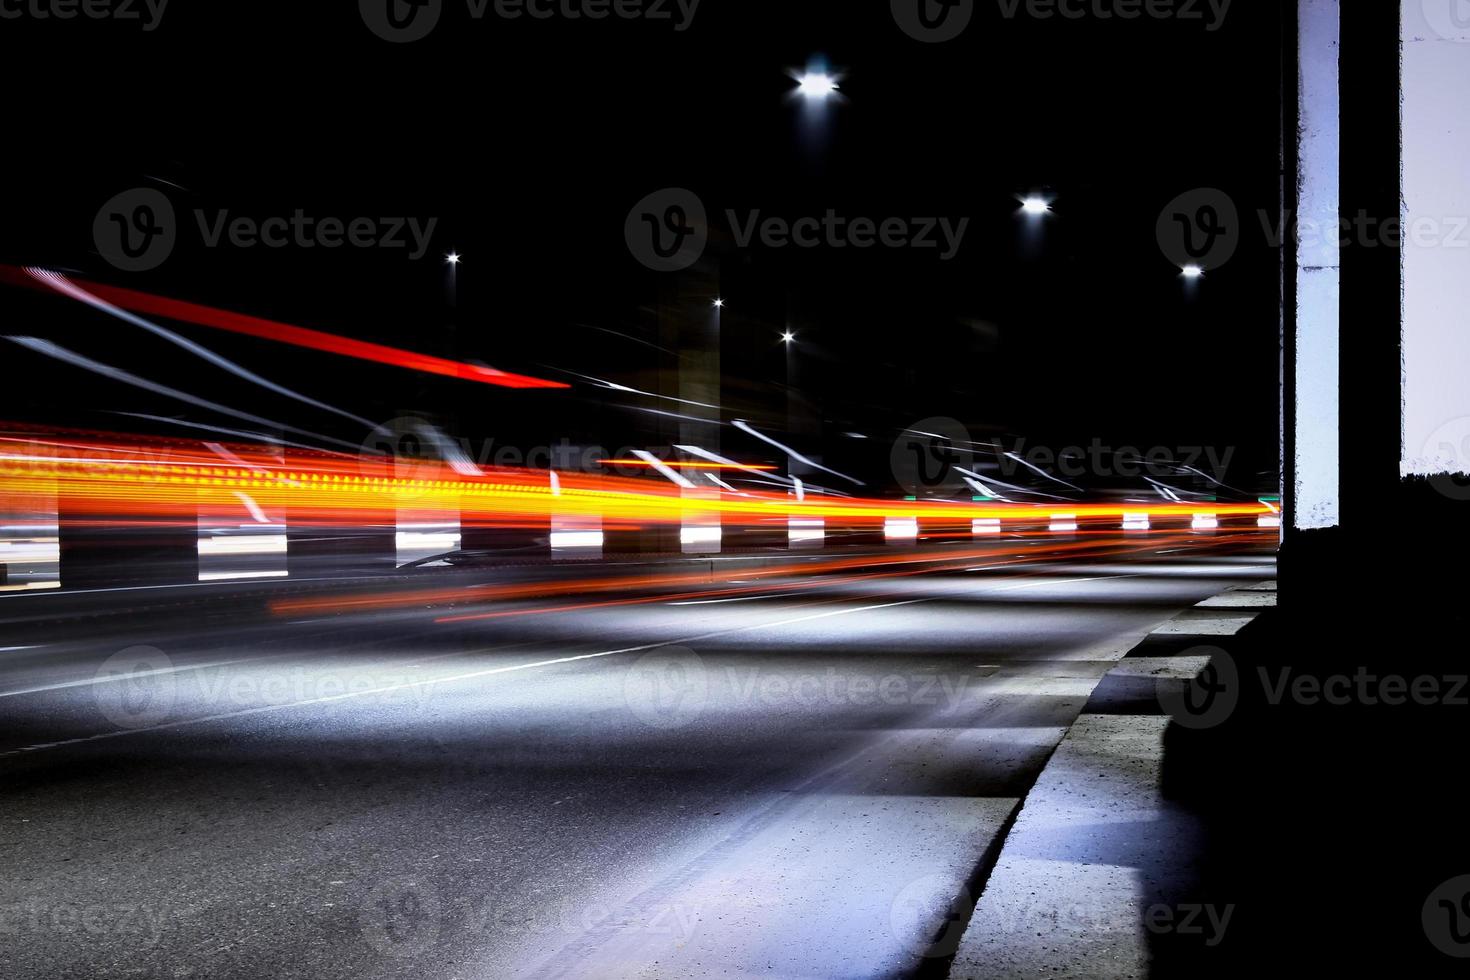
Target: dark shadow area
[[1328, 826]]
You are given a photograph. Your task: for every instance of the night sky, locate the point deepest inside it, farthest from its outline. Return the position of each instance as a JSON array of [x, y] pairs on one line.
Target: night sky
[[530, 141]]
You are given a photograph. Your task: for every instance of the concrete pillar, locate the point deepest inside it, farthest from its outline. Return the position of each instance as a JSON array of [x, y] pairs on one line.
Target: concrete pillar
[[315, 547], [100, 551], [1317, 272]]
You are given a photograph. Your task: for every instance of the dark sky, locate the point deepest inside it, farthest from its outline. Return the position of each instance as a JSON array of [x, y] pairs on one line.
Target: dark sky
[[529, 142]]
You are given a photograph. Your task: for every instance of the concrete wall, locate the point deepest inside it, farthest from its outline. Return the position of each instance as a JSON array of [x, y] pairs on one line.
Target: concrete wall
[[1436, 236]]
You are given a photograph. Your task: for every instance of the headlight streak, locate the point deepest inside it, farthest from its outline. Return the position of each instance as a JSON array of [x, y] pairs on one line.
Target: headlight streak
[[60, 353], [64, 286]]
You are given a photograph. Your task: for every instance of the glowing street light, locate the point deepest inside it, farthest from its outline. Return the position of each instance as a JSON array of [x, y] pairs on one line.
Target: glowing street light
[[788, 337], [452, 258], [719, 304], [1193, 272], [816, 85], [1036, 206]]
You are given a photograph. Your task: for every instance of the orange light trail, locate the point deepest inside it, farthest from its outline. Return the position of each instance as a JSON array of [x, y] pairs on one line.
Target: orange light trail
[[685, 465], [171, 478]]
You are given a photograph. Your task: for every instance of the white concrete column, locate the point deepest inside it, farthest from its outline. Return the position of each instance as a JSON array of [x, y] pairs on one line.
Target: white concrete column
[[1318, 272]]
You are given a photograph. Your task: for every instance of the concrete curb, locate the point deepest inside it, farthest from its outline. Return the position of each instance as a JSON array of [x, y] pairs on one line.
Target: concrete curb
[[1098, 858]]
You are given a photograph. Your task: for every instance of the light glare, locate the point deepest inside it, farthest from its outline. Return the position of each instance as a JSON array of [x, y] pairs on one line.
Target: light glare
[[816, 85]]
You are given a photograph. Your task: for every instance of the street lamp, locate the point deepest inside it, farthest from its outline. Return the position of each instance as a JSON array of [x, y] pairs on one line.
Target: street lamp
[[452, 258], [817, 86], [1193, 272], [719, 304], [788, 337], [1036, 206]]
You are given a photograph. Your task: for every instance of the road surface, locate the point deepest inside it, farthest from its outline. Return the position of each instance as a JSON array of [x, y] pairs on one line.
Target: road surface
[[788, 776]]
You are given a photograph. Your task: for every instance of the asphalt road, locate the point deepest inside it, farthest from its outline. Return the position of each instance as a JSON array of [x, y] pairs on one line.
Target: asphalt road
[[790, 781]]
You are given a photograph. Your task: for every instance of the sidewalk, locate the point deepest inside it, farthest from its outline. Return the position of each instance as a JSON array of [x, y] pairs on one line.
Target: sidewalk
[[1100, 871]]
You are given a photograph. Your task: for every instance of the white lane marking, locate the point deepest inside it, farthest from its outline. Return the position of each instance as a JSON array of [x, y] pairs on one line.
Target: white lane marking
[[13, 649], [92, 681], [388, 689], [120, 676], [744, 598], [473, 675]]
